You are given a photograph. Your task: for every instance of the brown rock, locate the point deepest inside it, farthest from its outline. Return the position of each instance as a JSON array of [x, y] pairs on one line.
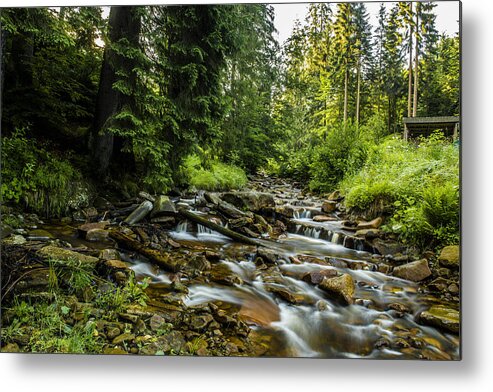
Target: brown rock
[[323, 218], [316, 277], [415, 271], [441, 317], [342, 287], [329, 206], [450, 257], [96, 235], [373, 224]]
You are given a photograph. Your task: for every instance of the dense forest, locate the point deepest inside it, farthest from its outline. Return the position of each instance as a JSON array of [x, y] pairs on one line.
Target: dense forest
[[158, 97]]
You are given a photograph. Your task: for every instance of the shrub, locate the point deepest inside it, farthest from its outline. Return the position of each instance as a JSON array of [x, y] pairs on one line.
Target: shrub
[[416, 185], [217, 176], [42, 181], [341, 154]]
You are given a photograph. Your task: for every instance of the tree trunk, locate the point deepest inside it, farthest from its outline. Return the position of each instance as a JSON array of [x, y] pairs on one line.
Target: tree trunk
[[410, 78], [123, 24], [346, 82], [358, 91], [3, 38], [416, 65]]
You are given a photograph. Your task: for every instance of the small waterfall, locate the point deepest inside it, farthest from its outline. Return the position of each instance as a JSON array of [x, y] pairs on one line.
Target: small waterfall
[[182, 227], [302, 213], [335, 238], [204, 230]]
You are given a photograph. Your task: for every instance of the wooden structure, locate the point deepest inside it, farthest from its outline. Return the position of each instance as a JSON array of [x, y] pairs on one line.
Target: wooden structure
[[424, 126]]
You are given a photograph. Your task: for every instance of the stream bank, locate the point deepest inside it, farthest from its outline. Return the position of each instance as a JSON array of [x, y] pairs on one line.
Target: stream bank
[[316, 282]]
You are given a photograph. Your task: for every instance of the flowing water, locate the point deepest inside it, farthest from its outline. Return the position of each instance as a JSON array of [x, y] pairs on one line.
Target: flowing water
[[306, 322], [314, 325]]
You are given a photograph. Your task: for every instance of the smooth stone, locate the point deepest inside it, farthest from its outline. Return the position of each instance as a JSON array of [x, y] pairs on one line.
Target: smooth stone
[[163, 206], [415, 271], [323, 218], [15, 239], [441, 317], [139, 213], [329, 206], [316, 277], [124, 337], [97, 235], [109, 254], [373, 224], [450, 256], [54, 252], [341, 286]]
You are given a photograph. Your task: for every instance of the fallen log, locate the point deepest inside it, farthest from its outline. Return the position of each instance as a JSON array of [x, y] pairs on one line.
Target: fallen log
[[220, 229], [156, 257]]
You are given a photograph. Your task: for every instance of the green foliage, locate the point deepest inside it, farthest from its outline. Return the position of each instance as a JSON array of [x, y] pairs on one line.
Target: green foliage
[[342, 153], [35, 177], [48, 330], [415, 185], [217, 176]]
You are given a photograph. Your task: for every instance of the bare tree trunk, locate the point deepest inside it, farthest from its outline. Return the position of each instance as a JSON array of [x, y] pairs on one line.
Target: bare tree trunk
[[123, 24], [410, 78], [416, 65], [346, 82], [358, 91]]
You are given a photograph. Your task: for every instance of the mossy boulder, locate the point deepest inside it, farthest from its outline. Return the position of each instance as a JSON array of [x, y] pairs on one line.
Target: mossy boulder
[[342, 287], [441, 317], [450, 256]]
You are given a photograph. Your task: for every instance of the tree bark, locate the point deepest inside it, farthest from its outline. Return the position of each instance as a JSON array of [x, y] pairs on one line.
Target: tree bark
[[358, 91], [410, 78], [416, 65], [346, 82], [123, 24]]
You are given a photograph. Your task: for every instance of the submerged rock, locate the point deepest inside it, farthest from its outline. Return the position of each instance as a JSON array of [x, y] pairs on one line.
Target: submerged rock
[[415, 271], [450, 256], [342, 287], [441, 317]]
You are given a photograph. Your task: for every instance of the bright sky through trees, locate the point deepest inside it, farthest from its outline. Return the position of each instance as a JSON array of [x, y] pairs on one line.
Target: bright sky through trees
[[447, 16]]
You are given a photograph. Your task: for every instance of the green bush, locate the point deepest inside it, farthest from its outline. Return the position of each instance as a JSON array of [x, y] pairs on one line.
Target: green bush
[[341, 154], [42, 181], [217, 176], [415, 185]]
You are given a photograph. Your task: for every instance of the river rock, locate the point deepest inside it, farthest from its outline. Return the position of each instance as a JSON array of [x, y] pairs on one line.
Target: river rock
[[124, 337], [251, 201], [323, 218], [415, 271], [109, 254], [200, 322], [139, 213], [86, 227], [156, 322], [39, 235], [316, 277], [15, 239], [386, 247], [54, 252], [286, 211], [450, 256], [335, 196], [97, 235], [220, 273], [342, 287], [163, 206], [441, 317], [329, 206], [212, 197], [373, 224]]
